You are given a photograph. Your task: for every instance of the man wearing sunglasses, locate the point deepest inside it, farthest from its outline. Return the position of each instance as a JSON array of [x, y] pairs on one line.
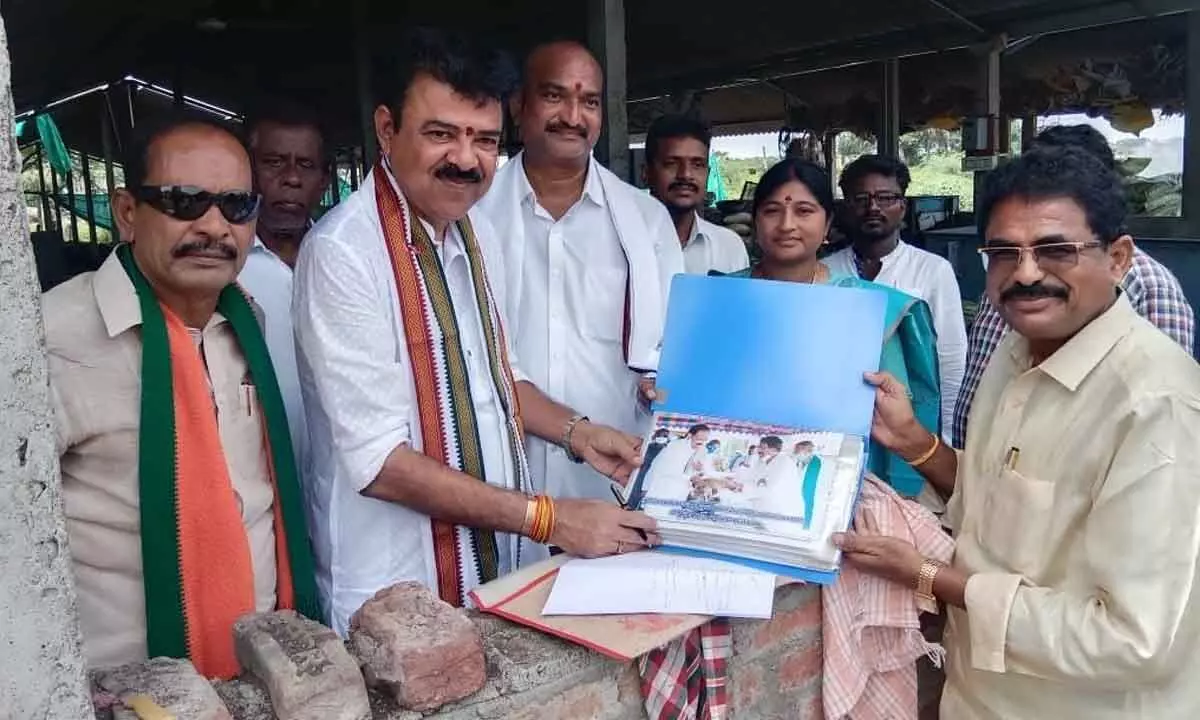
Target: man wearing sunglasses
[[1073, 588], [873, 187], [182, 502]]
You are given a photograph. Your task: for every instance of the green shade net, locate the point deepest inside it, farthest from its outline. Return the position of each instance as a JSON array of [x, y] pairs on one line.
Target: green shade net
[[101, 208], [716, 184], [53, 146]]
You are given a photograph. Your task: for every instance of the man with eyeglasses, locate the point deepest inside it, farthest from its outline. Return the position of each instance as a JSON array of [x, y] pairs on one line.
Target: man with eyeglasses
[[180, 489], [873, 187], [1073, 588], [1152, 289]]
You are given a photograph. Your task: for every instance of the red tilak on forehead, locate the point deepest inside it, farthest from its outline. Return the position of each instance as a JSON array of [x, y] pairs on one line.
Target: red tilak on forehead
[[578, 86]]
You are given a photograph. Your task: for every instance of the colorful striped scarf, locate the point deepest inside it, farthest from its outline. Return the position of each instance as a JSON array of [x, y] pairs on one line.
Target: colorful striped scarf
[[464, 557], [196, 563]]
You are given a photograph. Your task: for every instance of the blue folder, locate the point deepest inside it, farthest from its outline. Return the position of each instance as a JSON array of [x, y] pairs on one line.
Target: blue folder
[[775, 353]]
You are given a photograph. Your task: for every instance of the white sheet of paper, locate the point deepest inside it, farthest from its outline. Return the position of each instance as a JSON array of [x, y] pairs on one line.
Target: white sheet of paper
[[660, 583]]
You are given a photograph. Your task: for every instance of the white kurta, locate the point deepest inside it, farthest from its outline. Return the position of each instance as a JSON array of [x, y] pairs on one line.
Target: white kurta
[[569, 316], [356, 375], [269, 281]]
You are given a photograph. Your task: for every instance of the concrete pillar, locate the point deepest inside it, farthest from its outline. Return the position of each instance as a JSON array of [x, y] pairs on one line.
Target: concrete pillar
[[1191, 133], [988, 99], [606, 39], [41, 658]]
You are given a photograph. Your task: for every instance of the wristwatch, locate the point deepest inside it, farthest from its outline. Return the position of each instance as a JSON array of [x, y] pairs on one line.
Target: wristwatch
[[925, 578]]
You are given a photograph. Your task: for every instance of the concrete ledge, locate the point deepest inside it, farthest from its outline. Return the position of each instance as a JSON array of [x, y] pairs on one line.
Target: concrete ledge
[[774, 672]]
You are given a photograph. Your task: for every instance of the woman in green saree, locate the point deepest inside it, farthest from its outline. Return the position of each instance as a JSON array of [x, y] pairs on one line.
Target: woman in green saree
[[793, 210]]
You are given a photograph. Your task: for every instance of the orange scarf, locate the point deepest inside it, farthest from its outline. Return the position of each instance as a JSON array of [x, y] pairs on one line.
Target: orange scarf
[[214, 552], [197, 569]]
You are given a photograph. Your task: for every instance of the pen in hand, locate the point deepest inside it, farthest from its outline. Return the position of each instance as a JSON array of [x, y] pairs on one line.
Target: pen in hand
[[625, 506]]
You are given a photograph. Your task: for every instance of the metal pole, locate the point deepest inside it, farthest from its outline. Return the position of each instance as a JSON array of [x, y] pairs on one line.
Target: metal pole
[[889, 131], [58, 222], [129, 90], [1191, 134], [42, 188], [362, 72], [106, 142], [70, 181], [87, 189]]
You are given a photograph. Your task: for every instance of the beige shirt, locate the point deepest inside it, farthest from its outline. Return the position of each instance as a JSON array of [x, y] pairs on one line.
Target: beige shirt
[[95, 355], [1083, 548]]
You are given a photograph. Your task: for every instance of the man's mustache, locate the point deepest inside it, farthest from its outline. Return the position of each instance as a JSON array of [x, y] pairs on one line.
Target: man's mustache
[[457, 174], [684, 185], [562, 127], [207, 247], [1031, 292]]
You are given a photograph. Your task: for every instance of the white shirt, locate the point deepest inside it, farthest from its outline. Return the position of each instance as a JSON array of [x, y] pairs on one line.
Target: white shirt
[[782, 493], [269, 281], [930, 277], [571, 322], [712, 247], [670, 476], [357, 379]]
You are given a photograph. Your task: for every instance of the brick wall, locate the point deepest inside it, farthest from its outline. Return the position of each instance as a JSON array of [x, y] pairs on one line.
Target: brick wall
[[775, 672]]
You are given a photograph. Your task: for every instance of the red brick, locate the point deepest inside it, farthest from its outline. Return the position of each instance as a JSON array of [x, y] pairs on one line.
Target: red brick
[[417, 648], [790, 622], [799, 668]]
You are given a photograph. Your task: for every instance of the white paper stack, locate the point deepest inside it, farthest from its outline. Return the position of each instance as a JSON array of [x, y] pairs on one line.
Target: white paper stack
[[660, 583]]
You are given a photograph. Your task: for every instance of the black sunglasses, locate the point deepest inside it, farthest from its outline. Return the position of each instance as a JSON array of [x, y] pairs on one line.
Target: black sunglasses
[[188, 203]]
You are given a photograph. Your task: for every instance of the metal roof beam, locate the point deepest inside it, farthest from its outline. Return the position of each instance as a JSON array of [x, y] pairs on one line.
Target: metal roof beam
[[959, 17], [906, 43]]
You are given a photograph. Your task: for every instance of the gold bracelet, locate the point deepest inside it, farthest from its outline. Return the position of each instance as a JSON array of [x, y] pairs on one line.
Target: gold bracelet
[[542, 526], [925, 578], [539, 521], [550, 519], [937, 442]]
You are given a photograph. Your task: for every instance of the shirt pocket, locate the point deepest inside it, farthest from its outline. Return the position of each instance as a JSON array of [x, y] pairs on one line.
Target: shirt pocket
[[1012, 527], [603, 304], [243, 437]]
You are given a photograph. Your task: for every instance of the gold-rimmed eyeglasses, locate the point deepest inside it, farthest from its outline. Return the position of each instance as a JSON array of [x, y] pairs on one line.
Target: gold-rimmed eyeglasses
[[1049, 256]]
